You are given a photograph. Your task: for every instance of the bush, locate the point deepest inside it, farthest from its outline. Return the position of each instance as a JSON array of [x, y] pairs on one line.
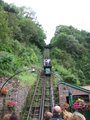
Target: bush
[[6, 60], [71, 79]]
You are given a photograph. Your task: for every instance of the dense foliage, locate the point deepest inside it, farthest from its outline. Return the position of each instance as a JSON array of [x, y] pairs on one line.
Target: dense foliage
[[71, 54], [21, 38], [22, 41]]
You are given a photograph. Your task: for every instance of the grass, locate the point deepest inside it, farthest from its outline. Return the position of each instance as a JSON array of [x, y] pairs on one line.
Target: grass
[[27, 78]]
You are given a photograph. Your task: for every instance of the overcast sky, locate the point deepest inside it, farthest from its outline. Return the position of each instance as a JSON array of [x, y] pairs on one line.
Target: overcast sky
[[51, 13]]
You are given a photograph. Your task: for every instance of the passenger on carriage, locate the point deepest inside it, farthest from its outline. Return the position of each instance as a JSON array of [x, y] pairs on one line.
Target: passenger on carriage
[[47, 62]]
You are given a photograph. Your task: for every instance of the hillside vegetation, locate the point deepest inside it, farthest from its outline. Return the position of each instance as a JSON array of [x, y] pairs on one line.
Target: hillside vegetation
[[71, 54], [22, 43], [21, 39]]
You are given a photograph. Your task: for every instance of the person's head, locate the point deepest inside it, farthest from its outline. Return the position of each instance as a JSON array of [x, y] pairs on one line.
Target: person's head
[[77, 116], [6, 117], [73, 116], [14, 117], [47, 115], [67, 115], [57, 109]]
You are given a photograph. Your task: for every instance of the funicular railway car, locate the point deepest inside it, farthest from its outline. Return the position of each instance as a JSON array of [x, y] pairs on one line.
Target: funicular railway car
[[47, 67]]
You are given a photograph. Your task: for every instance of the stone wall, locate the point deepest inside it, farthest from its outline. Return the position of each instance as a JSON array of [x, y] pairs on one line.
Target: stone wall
[[16, 93]]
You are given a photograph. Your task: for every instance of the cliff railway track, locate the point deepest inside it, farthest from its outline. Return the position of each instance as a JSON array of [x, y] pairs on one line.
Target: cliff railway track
[[43, 96], [42, 100]]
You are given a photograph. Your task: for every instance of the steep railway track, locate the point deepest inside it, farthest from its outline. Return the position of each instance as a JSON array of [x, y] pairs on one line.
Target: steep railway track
[[43, 97], [42, 100], [46, 53]]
